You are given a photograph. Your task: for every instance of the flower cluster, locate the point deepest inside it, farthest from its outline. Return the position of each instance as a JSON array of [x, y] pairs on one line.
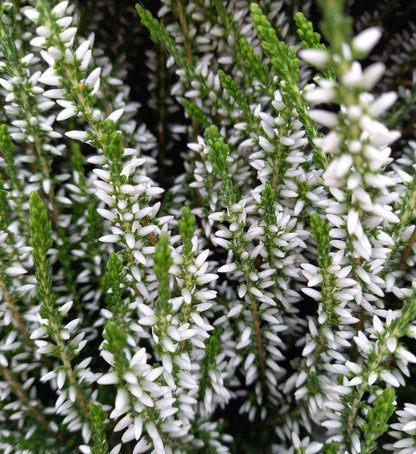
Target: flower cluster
[[227, 267]]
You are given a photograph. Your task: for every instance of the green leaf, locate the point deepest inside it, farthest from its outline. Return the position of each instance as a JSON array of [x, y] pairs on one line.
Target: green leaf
[[98, 416], [163, 261], [40, 231], [196, 113], [161, 35], [187, 230], [377, 419], [219, 152], [311, 40]]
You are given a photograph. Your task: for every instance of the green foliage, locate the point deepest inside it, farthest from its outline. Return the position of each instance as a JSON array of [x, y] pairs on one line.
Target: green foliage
[[196, 113], [160, 34], [336, 26], [40, 229], [320, 230], [114, 288], [233, 91], [286, 67], [267, 202], [283, 59], [377, 419], [219, 152], [187, 230], [98, 416], [331, 448], [311, 39], [253, 61], [163, 261]]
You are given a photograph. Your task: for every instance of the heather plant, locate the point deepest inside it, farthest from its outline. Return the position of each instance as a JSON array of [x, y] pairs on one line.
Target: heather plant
[[227, 266]]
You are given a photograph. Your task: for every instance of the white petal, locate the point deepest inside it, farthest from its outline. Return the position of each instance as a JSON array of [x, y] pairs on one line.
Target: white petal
[[390, 379], [40, 332], [383, 103], [227, 268], [80, 52], [323, 117], [54, 93], [60, 8], [353, 77], [353, 220], [50, 78], [66, 113], [409, 427], [372, 74], [93, 77], [6, 85], [366, 40], [406, 356], [116, 115], [39, 41], [108, 379], [31, 14], [130, 240], [77, 135], [315, 57], [16, 270], [112, 238], [61, 379], [68, 34]]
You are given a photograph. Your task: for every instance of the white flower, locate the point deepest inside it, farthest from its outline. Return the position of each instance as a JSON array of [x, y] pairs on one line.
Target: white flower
[[409, 427], [82, 49], [315, 294], [362, 342], [50, 78], [323, 117], [353, 221], [265, 144], [337, 170], [116, 115], [229, 267], [38, 333], [64, 21], [319, 95], [389, 378], [55, 93], [6, 85], [382, 103], [364, 42], [60, 381], [331, 424], [66, 113], [86, 60], [154, 435], [77, 135], [39, 41], [60, 8], [405, 355], [44, 31], [93, 76], [372, 74], [32, 14], [315, 57], [112, 238], [68, 35], [16, 270]]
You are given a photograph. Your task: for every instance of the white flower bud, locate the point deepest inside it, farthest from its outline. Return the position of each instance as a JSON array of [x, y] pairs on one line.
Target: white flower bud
[[77, 135], [315, 57], [364, 42], [60, 8]]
